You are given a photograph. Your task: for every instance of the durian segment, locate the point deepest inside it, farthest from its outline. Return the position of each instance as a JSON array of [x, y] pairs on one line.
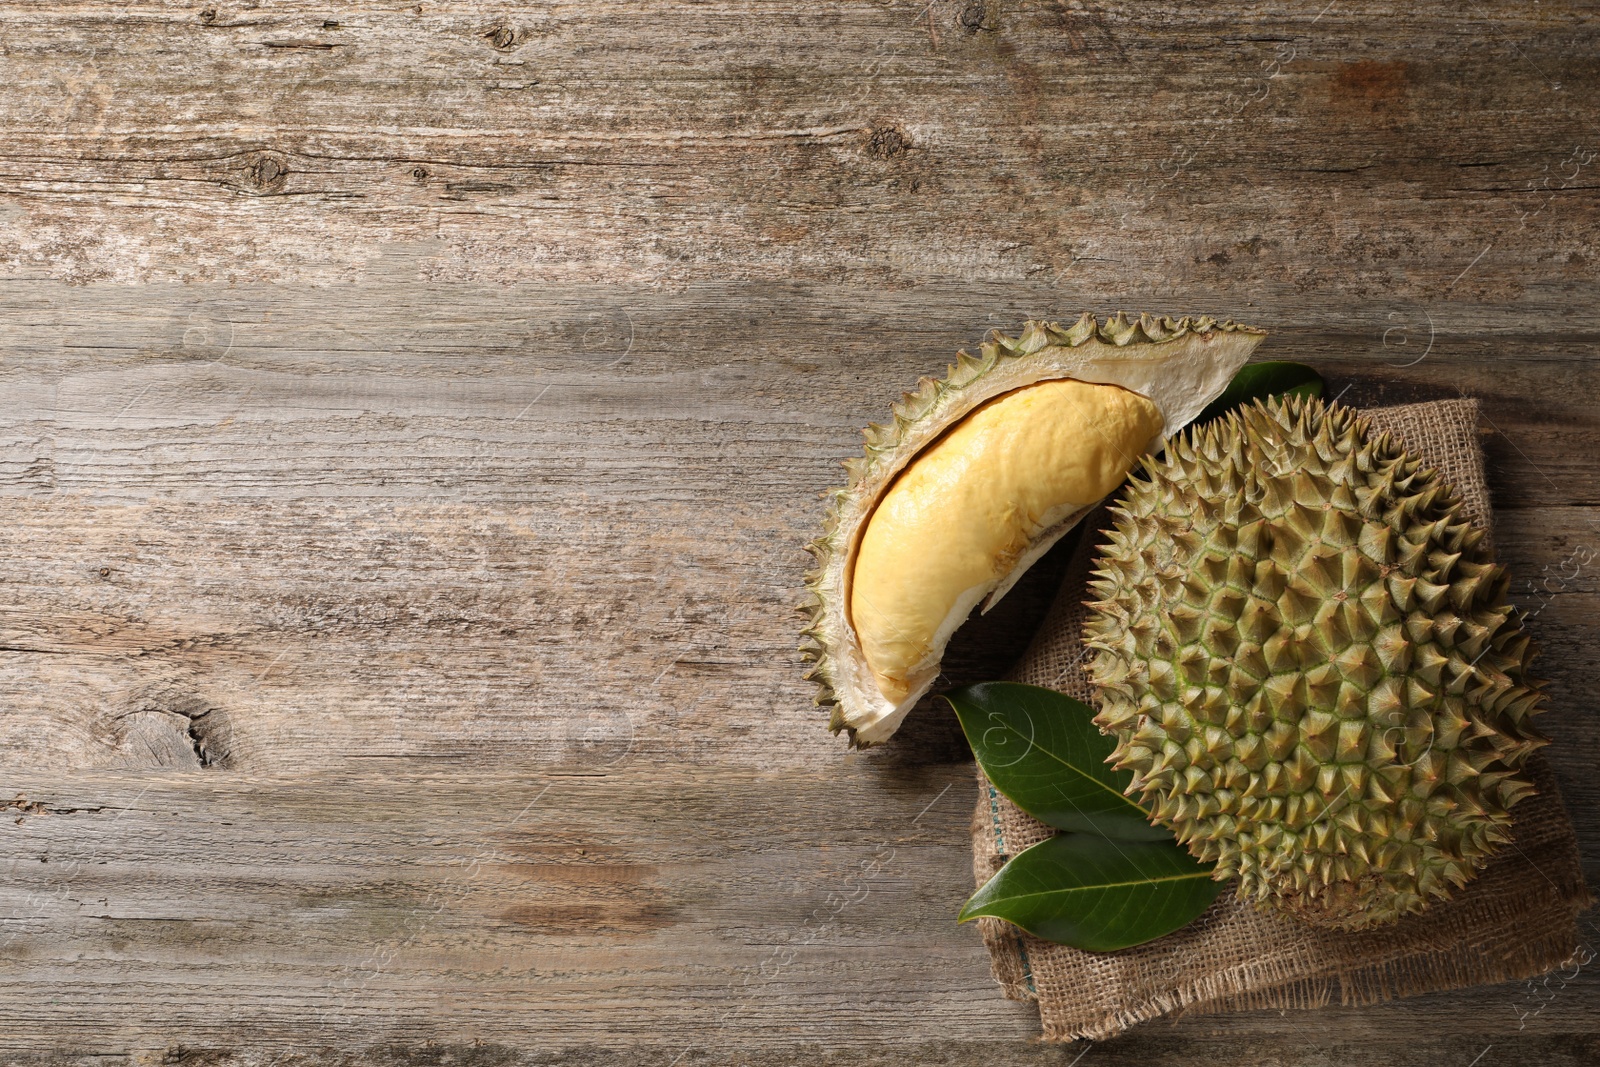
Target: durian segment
[[1308, 660], [959, 518], [1180, 365]]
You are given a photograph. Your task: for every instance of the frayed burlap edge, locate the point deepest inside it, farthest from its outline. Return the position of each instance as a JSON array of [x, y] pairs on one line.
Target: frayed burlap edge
[[1516, 920]]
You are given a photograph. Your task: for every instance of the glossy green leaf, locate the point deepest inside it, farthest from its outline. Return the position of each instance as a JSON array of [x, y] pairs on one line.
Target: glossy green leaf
[[1097, 894], [1256, 381], [1043, 751]]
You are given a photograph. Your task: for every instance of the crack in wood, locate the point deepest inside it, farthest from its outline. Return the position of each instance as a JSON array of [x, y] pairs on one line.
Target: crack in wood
[[310, 46]]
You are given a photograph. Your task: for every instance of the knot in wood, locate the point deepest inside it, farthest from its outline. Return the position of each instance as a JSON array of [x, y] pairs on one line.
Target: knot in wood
[[974, 17], [266, 172], [166, 724], [887, 142], [503, 38]]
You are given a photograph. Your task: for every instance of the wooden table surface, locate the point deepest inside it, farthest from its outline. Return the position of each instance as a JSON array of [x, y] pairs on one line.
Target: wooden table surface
[[414, 414]]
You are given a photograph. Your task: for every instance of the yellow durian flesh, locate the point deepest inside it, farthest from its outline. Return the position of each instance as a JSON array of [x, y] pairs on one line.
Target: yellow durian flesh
[[961, 516]]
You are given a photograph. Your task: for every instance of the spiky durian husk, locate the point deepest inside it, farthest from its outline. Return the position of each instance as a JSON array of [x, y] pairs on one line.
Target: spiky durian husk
[[1309, 663], [919, 416]]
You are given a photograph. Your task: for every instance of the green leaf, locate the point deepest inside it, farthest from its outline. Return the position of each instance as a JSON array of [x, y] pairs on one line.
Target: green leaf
[[1042, 749], [1256, 381], [1097, 894]]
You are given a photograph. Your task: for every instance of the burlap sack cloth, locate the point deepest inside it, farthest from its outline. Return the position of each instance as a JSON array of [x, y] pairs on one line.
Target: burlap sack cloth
[[1515, 920]]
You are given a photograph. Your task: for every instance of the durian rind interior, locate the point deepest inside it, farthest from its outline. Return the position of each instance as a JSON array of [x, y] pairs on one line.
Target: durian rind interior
[[1179, 365]]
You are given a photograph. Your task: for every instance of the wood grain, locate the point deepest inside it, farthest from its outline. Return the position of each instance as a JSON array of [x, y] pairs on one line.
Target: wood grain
[[409, 411]]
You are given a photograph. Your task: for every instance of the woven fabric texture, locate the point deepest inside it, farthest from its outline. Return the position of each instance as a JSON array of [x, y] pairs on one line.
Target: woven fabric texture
[[1515, 920]]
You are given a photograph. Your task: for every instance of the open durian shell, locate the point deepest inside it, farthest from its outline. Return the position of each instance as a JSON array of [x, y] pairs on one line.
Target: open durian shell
[[1181, 365]]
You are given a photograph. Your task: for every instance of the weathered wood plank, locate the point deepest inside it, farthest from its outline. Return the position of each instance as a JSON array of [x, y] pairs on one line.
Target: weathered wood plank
[[1107, 146], [706, 914], [128, 389]]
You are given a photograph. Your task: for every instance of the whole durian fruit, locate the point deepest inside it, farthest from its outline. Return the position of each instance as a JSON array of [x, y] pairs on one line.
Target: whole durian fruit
[[1307, 657]]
